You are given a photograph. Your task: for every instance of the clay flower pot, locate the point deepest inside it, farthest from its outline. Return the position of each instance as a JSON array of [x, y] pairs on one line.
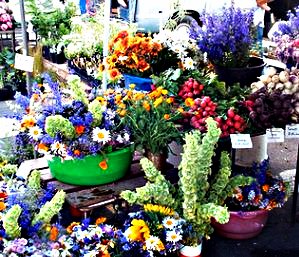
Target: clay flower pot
[[242, 225]]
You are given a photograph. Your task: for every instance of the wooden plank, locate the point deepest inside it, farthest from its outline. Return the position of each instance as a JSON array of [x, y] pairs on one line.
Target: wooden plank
[[27, 166], [88, 197]]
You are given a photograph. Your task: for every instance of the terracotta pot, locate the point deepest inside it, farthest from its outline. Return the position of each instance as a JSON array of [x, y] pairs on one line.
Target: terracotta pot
[[159, 160], [242, 225], [190, 251]]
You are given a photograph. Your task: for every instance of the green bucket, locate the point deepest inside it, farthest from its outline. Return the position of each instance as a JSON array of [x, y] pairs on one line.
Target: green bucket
[[87, 172]]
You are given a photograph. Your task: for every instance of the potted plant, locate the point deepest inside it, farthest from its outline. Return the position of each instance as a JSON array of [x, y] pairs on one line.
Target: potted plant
[[198, 197], [74, 131], [150, 117], [249, 205], [227, 38]]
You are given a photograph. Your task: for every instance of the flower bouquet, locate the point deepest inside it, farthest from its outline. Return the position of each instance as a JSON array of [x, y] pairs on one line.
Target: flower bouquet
[[153, 231], [74, 130], [138, 55], [227, 38], [150, 117], [27, 213]]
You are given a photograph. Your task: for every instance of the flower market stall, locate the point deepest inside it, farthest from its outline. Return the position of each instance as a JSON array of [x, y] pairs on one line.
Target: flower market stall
[[78, 150]]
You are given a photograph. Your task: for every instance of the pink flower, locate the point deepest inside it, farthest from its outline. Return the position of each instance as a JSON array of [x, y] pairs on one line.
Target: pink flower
[[9, 24], [6, 17], [4, 27]]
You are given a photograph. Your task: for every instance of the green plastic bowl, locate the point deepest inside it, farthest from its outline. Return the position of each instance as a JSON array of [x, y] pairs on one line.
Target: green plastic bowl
[[87, 172]]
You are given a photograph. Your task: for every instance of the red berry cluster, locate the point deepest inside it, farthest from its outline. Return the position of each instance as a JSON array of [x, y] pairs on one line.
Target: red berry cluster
[[233, 124], [191, 88], [203, 107]]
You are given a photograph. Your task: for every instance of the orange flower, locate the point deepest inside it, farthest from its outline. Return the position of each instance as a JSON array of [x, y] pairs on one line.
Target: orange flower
[[53, 233], [100, 220], [166, 116], [102, 100], [143, 66], [189, 102], [79, 129], [42, 148], [146, 106], [77, 152], [170, 100], [114, 74], [265, 188], [122, 113], [70, 228], [35, 96], [2, 206], [103, 165]]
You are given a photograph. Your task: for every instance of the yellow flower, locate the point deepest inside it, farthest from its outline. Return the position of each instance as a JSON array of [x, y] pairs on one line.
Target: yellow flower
[[132, 86], [164, 92], [170, 100], [189, 102], [158, 101], [158, 208], [139, 231], [146, 106]]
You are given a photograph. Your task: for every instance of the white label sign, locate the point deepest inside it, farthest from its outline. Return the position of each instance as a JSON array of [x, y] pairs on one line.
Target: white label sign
[[24, 62], [275, 135], [292, 131], [241, 141]]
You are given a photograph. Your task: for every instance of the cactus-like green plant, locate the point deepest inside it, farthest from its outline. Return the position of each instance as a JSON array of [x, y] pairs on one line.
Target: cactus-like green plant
[[76, 86], [50, 209], [33, 181], [10, 222], [196, 199], [57, 123]]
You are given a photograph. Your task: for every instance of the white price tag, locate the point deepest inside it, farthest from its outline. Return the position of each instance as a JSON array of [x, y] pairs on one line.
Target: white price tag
[[24, 62], [292, 131], [241, 141], [275, 135]]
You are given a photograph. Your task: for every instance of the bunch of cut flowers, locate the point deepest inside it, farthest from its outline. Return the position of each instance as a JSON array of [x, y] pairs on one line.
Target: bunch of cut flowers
[[27, 213], [70, 125], [266, 193], [153, 231], [6, 18]]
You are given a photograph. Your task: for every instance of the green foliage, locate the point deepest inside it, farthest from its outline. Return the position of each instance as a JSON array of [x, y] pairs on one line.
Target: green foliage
[[50, 208], [57, 123], [157, 190], [34, 180], [10, 222], [76, 86]]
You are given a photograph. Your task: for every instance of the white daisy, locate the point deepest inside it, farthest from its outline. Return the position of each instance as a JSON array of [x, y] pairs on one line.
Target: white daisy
[[173, 236], [59, 148], [152, 243], [101, 135], [188, 63], [169, 222], [35, 132]]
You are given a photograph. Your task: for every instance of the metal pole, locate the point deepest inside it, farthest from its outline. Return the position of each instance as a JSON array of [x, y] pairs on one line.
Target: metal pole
[[295, 193], [106, 39], [25, 42]]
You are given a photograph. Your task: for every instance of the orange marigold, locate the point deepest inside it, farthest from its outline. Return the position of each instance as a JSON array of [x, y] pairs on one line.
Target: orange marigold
[[103, 165], [100, 220], [146, 106], [79, 129], [2, 206], [53, 233]]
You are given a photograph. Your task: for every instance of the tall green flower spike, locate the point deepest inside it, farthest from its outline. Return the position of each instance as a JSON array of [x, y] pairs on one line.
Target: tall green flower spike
[[50, 209], [34, 180], [10, 222], [77, 88], [57, 123], [157, 190], [97, 112]]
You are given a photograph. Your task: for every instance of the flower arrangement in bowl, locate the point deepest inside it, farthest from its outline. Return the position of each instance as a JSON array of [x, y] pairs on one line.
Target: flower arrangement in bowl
[[76, 131], [150, 117], [227, 38], [153, 231]]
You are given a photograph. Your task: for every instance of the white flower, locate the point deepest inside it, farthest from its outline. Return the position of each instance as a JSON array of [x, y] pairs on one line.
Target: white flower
[[59, 148], [120, 139], [188, 63], [101, 135], [122, 58], [173, 236], [126, 137], [152, 243], [35, 132], [91, 253], [169, 222]]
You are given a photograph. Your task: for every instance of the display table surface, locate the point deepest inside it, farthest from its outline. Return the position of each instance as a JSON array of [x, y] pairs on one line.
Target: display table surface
[[87, 198]]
